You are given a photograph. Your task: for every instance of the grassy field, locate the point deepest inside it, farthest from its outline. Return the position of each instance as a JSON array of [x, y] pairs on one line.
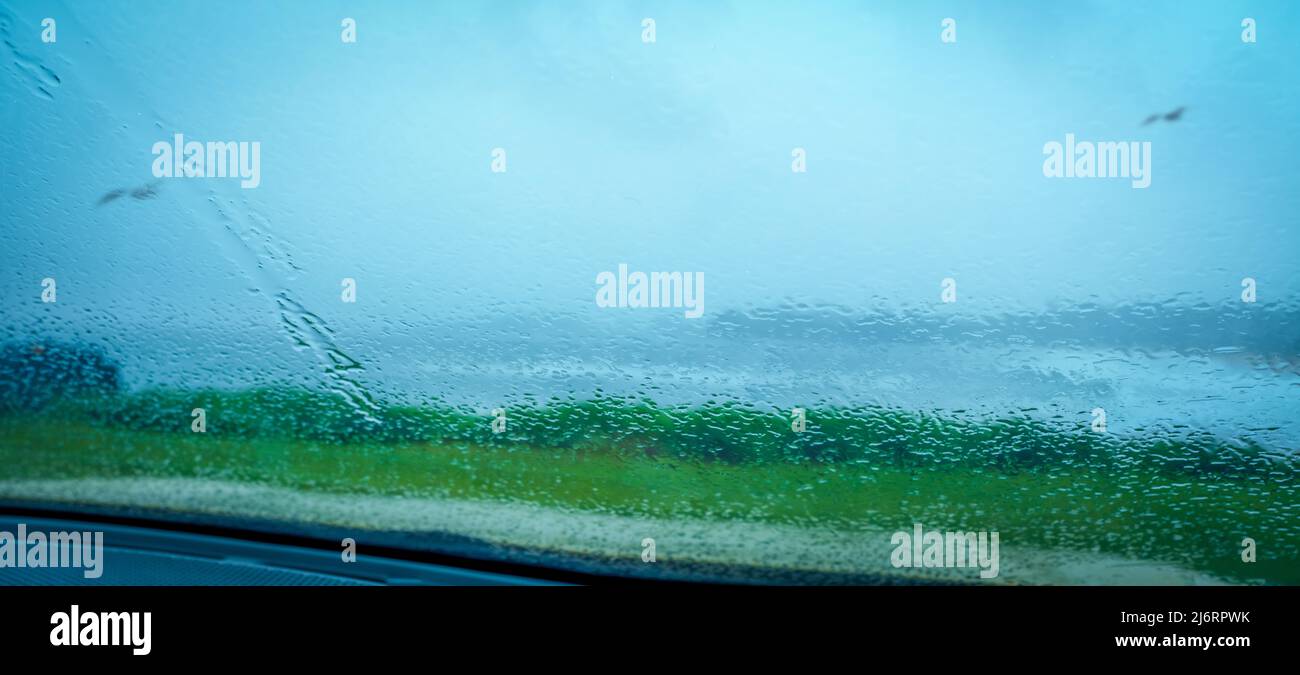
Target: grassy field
[[1154, 500]]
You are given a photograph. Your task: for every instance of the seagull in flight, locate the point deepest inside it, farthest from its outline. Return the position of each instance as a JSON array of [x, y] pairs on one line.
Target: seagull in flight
[[1172, 116], [143, 192]]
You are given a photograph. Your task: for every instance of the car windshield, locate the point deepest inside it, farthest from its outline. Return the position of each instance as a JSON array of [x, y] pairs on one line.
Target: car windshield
[[740, 290]]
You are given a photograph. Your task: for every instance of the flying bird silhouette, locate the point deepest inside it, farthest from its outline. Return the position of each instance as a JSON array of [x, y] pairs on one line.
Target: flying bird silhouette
[[110, 196], [1172, 116], [146, 191]]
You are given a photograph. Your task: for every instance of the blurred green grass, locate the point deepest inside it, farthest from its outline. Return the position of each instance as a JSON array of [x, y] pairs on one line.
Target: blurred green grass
[[1155, 499]]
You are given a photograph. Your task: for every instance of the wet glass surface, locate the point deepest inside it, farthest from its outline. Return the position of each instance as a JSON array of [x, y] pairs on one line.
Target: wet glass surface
[[399, 327]]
